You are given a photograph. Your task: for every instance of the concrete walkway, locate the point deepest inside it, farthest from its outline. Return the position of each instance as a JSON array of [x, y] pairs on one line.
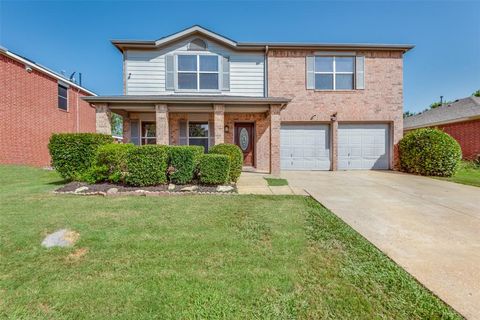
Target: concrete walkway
[[255, 183], [428, 226]]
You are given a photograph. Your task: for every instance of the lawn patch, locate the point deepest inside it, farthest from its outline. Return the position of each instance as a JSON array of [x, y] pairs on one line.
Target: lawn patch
[[192, 257], [468, 173], [276, 182]]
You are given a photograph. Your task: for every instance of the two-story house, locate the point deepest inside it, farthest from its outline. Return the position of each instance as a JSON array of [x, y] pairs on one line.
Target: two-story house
[[288, 106]]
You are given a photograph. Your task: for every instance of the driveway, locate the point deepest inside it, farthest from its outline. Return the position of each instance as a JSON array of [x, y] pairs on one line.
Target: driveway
[[429, 227]]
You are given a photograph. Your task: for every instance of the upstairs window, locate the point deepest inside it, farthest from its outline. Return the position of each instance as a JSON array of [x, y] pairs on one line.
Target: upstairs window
[[198, 72], [334, 73], [62, 97]]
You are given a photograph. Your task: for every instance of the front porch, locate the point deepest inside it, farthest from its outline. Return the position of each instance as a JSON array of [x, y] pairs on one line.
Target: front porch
[[251, 123]]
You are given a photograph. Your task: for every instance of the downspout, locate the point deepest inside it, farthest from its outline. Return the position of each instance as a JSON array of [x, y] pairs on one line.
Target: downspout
[[78, 112], [266, 73]]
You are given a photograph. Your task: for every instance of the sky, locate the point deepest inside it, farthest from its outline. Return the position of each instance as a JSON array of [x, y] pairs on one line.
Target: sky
[[75, 35]]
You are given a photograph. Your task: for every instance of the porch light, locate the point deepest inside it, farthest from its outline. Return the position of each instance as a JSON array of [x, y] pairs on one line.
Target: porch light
[[226, 129]]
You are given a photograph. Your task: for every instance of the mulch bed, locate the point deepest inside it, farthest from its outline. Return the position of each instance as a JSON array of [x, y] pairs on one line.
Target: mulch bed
[[103, 189]]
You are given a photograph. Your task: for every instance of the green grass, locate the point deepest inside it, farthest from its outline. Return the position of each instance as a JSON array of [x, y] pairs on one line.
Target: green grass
[[276, 182], [469, 173], [192, 257]]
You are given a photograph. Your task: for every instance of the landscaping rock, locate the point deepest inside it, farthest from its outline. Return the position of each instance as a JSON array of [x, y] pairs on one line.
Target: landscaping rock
[[191, 188], [140, 191], [112, 191], [224, 188], [81, 189], [61, 238], [171, 187]]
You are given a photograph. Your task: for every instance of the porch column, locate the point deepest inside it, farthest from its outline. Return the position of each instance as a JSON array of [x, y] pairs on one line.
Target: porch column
[[334, 142], [126, 129], [219, 122], [275, 139], [103, 117], [161, 117]]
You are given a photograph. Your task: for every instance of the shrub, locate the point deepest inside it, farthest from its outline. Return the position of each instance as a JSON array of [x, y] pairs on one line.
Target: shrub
[[111, 162], [146, 165], [429, 152], [74, 153], [234, 154], [214, 168], [182, 162]]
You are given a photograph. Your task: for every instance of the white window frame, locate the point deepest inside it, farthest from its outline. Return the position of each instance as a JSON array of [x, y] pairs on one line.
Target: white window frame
[[198, 72], [334, 72], [207, 137]]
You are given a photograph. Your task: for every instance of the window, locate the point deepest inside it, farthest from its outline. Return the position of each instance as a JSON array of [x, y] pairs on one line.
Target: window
[[149, 133], [334, 73], [198, 134], [62, 97], [197, 72]]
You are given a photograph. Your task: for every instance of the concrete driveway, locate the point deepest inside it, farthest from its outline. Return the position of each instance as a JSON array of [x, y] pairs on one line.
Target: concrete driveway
[[429, 227]]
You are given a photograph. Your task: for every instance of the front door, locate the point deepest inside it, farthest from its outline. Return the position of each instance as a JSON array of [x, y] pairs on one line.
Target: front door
[[244, 139]]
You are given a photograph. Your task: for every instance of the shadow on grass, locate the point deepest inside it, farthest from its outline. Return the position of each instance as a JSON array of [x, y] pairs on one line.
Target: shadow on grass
[[58, 182]]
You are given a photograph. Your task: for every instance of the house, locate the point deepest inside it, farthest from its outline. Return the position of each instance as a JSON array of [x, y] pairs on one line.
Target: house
[[288, 106], [34, 103], [460, 119]]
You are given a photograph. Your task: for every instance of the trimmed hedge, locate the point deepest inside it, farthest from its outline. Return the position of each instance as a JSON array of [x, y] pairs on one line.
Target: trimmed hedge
[[234, 154], [429, 152], [111, 162], [214, 168], [147, 165], [183, 162], [73, 154]]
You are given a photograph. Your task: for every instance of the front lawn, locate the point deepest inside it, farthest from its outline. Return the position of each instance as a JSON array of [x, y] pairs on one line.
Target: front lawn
[[192, 257], [469, 173]]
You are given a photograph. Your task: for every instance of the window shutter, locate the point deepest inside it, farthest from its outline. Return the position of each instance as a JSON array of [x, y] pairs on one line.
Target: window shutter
[[134, 132], [310, 72], [211, 134], [169, 72], [225, 73], [183, 141], [360, 72]]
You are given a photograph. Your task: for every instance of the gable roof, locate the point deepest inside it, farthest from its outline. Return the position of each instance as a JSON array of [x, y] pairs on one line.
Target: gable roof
[[201, 31], [458, 111], [43, 69]]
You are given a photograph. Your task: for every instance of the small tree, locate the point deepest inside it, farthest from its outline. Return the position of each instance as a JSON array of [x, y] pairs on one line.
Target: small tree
[[476, 93]]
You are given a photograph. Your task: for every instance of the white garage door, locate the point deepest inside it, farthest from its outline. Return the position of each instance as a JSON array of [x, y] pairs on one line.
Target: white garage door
[[305, 147], [363, 146]]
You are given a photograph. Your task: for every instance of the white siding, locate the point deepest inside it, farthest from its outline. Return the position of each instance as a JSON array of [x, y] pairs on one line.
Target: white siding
[[145, 70]]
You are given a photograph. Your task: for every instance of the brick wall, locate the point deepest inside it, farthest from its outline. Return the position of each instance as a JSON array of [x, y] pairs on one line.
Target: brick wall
[[380, 101], [468, 136], [29, 114]]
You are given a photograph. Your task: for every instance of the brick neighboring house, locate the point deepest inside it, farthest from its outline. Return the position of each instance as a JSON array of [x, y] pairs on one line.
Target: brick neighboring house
[[460, 119], [289, 106], [34, 103]]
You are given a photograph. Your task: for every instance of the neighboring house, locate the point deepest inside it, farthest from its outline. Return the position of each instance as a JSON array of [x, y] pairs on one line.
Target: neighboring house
[[460, 119], [34, 103], [289, 106]]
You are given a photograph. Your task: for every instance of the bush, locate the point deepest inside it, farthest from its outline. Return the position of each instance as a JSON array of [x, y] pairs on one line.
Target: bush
[[429, 152], [111, 162], [234, 154], [146, 165], [214, 168], [183, 162], [74, 153]]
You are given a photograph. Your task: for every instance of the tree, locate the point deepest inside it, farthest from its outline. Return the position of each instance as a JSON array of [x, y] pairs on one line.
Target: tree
[[476, 93], [117, 125], [407, 114]]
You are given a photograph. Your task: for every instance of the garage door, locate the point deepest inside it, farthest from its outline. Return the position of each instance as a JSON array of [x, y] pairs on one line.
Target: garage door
[[363, 146], [305, 147]]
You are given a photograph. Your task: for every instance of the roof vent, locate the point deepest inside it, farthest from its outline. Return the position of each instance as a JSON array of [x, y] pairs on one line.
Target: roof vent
[[197, 45]]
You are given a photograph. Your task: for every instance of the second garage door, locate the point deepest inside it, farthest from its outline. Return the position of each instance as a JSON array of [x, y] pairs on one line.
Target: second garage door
[[363, 146], [305, 147]]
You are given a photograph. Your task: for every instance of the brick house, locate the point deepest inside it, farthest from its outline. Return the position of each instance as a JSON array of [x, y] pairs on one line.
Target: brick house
[[460, 119], [289, 106], [34, 103]]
